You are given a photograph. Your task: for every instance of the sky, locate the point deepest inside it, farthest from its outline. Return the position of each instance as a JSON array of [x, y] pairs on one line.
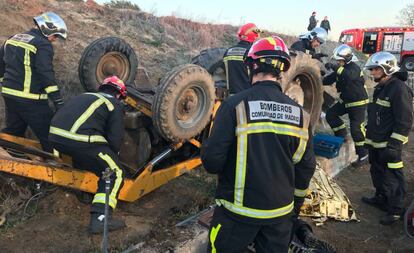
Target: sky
[[287, 17]]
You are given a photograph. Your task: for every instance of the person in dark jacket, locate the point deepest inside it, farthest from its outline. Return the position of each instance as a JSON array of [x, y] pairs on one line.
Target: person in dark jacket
[[325, 24], [308, 42], [260, 147], [390, 119], [28, 79], [312, 21], [236, 72], [353, 100], [90, 129]]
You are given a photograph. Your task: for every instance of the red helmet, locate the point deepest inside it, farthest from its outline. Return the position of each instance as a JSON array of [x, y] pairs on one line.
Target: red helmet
[[249, 32], [270, 50], [116, 83]]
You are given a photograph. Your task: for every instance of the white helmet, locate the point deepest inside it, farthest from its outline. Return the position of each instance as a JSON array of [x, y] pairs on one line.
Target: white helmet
[[387, 61], [345, 53], [317, 33], [50, 23]]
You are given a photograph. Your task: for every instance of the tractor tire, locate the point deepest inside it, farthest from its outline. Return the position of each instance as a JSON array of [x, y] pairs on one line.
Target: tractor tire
[[303, 83], [408, 64], [212, 60], [308, 91], [183, 103], [105, 57]]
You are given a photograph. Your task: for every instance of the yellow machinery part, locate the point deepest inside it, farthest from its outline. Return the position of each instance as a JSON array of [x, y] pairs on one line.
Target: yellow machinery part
[[86, 181]]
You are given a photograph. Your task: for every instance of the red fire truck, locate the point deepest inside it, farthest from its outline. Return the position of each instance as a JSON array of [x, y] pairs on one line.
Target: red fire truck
[[396, 40]]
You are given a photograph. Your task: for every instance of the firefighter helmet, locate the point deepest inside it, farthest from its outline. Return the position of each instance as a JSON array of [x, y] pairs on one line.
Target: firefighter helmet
[[387, 61], [50, 24], [270, 50], [115, 82], [319, 34], [249, 32], [343, 52]]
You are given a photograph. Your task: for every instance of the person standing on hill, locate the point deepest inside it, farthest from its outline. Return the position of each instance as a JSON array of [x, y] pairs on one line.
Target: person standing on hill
[[312, 21], [325, 24]]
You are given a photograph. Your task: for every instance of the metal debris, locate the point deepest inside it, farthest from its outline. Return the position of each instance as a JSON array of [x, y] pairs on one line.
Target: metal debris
[[325, 199]]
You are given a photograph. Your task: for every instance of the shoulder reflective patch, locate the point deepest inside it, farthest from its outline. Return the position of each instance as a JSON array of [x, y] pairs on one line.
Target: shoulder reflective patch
[[340, 70], [267, 110], [236, 51], [23, 37]]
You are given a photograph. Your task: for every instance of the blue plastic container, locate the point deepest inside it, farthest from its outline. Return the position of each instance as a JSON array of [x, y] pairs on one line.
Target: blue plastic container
[[327, 145]]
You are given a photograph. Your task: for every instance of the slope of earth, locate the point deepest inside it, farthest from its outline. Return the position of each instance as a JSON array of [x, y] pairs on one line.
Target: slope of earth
[[161, 43]]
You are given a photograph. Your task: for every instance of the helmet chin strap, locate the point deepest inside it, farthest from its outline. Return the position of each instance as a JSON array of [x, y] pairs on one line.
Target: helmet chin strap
[[380, 79]]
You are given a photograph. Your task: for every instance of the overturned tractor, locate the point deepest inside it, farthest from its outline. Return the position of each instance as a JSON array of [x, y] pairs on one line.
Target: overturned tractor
[[165, 125]]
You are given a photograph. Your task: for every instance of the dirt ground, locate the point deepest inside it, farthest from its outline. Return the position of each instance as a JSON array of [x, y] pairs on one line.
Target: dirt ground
[[60, 222], [368, 235]]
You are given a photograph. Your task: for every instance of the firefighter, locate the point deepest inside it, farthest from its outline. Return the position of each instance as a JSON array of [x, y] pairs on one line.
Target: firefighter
[[28, 79], [90, 128], [236, 72], [353, 99], [390, 118], [310, 41], [260, 147]]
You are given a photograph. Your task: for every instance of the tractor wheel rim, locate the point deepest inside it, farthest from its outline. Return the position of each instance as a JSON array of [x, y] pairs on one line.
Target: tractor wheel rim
[[190, 106], [113, 63]]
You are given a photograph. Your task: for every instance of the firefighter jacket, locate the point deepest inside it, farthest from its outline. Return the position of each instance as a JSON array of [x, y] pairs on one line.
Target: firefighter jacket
[[236, 72], [260, 147], [89, 118], [26, 68], [350, 84], [303, 45], [390, 114]]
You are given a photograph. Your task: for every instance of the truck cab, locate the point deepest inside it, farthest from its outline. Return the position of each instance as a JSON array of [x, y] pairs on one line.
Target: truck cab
[[396, 40]]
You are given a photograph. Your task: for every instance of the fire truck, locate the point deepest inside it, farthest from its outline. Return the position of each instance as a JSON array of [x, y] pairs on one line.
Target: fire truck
[[396, 40]]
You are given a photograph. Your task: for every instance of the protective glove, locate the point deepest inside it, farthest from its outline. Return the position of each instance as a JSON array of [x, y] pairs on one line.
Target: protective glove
[[391, 154], [297, 205], [319, 56], [331, 66]]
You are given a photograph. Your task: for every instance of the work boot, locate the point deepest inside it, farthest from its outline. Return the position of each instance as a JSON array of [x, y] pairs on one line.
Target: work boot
[[96, 225], [361, 161], [377, 201], [389, 219]]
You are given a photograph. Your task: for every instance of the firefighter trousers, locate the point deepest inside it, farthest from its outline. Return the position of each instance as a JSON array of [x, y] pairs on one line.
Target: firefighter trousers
[[20, 115], [388, 179], [357, 124], [228, 235], [96, 158]]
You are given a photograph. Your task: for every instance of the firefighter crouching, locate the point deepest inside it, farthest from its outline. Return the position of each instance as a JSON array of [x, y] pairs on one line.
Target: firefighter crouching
[[308, 42], [390, 118], [354, 99], [236, 71], [90, 129], [28, 79], [260, 147]]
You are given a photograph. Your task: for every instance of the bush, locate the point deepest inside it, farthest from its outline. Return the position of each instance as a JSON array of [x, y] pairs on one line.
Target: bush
[[123, 4]]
